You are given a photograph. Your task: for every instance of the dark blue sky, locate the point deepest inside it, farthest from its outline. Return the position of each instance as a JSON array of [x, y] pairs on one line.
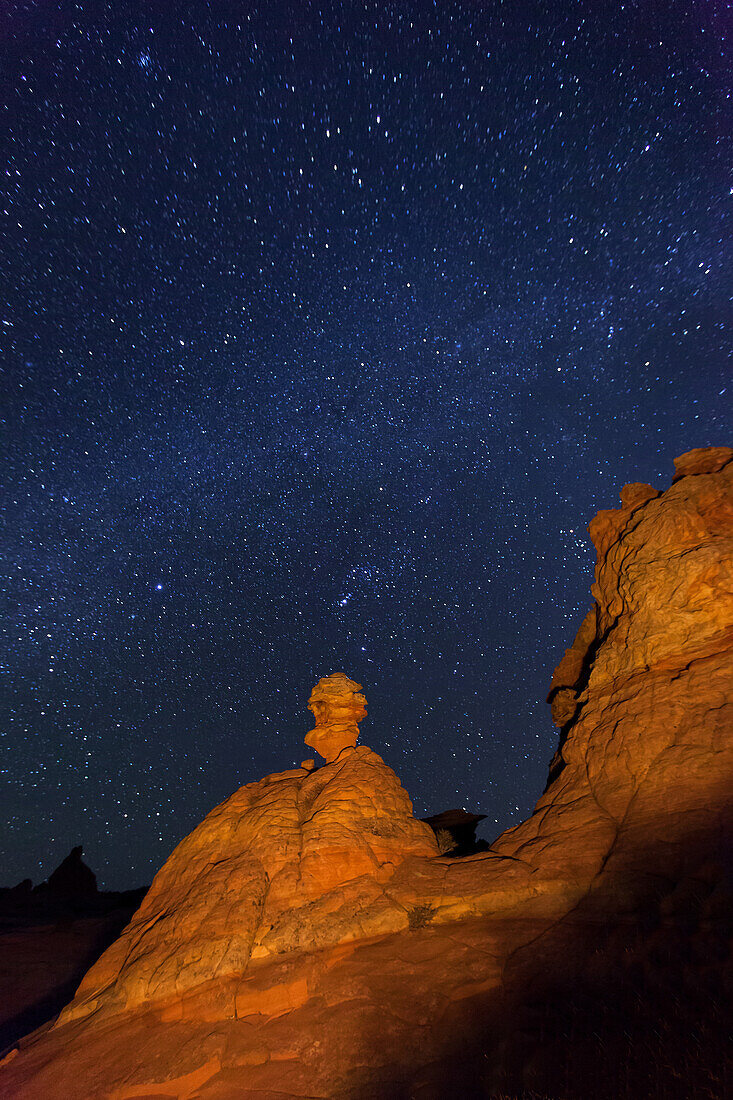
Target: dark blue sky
[[325, 331]]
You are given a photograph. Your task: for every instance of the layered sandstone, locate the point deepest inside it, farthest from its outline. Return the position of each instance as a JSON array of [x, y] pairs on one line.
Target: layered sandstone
[[338, 707], [300, 860], [307, 940]]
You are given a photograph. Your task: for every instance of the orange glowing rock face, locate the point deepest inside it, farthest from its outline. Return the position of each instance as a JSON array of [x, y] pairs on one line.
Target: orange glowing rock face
[[299, 860], [338, 708], [308, 940]]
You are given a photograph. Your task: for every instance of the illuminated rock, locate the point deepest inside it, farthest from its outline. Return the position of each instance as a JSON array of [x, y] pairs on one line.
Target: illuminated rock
[[297, 861], [337, 708]]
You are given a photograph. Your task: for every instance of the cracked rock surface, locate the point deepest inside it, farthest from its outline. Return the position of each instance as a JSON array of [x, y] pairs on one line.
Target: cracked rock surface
[[300, 860]]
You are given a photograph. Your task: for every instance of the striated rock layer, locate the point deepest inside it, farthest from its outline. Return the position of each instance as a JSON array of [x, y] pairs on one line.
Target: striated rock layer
[[338, 707], [301, 860], [307, 939]]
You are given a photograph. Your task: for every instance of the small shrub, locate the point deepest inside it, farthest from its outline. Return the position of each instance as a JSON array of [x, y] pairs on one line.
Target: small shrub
[[446, 842], [420, 916]]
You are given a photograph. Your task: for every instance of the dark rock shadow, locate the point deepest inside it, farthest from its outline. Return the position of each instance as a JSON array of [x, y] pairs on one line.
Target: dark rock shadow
[[50, 935], [627, 998]]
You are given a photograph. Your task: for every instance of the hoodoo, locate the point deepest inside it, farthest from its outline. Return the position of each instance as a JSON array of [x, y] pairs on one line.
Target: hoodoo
[[300, 860], [308, 939]]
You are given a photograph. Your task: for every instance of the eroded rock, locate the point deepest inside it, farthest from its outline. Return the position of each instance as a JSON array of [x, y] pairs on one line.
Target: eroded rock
[[298, 861], [338, 707]]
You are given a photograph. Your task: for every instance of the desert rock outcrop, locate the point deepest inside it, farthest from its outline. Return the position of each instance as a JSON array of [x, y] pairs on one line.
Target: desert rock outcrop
[[308, 940], [297, 861], [338, 707]]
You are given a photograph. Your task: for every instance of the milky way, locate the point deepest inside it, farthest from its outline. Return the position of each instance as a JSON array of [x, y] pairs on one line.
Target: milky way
[[325, 331]]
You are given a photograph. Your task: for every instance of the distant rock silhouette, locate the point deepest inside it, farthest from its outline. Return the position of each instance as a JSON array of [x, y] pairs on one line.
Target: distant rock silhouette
[[72, 878], [455, 831], [307, 939], [23, 889], [50, 935]]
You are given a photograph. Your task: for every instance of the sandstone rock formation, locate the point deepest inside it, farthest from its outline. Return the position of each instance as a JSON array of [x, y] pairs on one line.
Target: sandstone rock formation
[[455, 831], [297, 861], [337, 708], [307, 940]]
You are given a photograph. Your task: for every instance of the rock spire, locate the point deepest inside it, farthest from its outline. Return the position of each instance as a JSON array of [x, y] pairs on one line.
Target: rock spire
[[338, 707]]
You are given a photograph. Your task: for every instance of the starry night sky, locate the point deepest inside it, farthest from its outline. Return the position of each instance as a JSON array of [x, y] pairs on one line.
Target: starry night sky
[[326, 329]]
